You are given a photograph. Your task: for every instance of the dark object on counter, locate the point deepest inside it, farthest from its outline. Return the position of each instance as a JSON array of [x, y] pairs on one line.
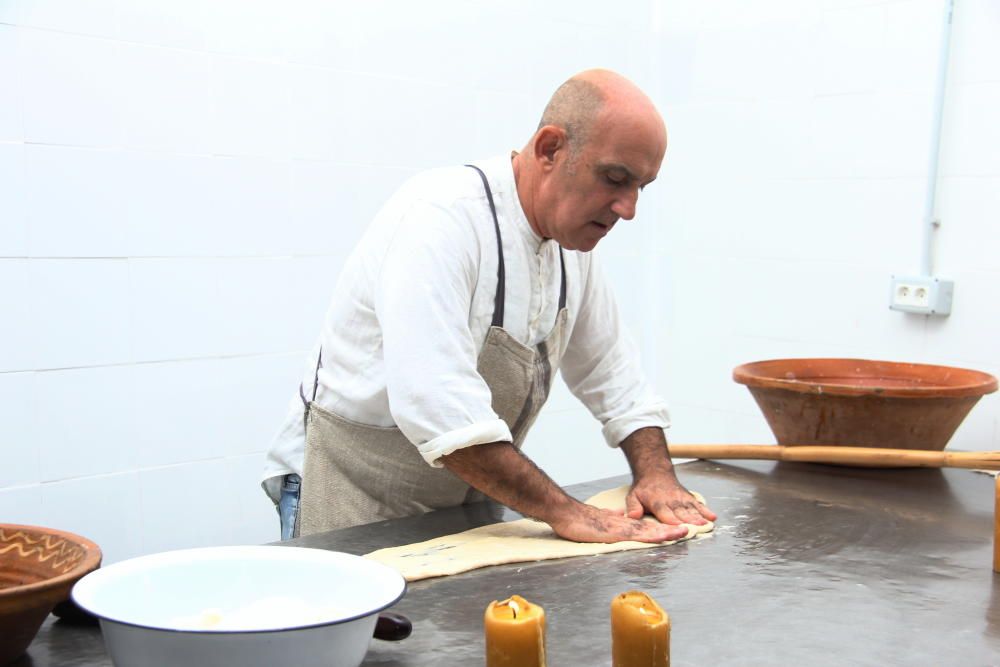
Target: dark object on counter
[[38, 567], [392, 627], [71, 613], [863, 403]]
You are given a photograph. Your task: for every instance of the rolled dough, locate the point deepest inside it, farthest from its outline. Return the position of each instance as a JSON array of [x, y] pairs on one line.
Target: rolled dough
[[511, 542]]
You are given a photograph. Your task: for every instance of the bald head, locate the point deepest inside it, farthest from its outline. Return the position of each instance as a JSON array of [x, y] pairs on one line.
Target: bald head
[[600, 142], [587, 98]]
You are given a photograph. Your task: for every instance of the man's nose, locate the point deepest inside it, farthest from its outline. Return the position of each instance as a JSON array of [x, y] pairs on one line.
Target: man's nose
[[624, 206]]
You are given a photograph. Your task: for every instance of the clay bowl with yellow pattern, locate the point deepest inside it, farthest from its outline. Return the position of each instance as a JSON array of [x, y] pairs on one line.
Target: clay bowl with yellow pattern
[[38, 567], [861, 402]]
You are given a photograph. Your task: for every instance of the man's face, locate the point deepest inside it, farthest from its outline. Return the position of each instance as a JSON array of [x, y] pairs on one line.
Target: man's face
[[586, 196]]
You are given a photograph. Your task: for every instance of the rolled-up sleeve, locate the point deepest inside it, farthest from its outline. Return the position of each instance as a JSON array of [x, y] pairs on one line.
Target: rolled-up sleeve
[[422, 300], [601, 365]]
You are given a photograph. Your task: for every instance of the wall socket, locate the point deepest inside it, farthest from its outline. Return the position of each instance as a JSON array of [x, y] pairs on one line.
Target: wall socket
[[925, 295]]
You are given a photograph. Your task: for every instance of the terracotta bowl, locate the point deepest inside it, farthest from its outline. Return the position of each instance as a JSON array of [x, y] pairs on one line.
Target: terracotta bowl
[[857, 402], [38, 567]]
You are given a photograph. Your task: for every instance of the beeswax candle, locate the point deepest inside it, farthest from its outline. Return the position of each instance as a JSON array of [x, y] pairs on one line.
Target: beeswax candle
[[515, 633], [640, 632]]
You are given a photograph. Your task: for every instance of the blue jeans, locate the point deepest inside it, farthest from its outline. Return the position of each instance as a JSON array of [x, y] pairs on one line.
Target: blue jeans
[[288, 505]]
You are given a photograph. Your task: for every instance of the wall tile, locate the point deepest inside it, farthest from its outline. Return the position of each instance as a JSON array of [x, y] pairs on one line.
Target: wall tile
[[180, 412], [175, 308], [168, 202], [18, 345], [106, 509], [23, 504], [912, 45], [247, 28], [187, 506], [405, 140], [255, 520], [96, 17], [325, 34], [967, 205], [568, 445], [167, 99], [79, 312], [11, 126], [255, 392], [321, 110], [851, 43], [872, 136], [256, 303], [975, 49], [315, 278], [85, 421], [13, 223], [74, 202], [88, 83], [180, 23], [248, 204], [18, 431], [332, 205], [504, 121], [971, 331], [10, 12], [250, 102], [971, 136]]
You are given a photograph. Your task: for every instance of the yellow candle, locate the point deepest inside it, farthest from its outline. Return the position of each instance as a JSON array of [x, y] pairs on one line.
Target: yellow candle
[[515, 633], [640, 632]]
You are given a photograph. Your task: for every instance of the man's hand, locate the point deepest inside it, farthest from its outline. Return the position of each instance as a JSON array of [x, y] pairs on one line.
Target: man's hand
[[508, 476], [591, 524], [655, 489], [665, 498]]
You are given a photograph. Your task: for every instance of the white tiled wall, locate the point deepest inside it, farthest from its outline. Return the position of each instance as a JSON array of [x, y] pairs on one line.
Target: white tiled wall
[[180, 183], [795, 190]]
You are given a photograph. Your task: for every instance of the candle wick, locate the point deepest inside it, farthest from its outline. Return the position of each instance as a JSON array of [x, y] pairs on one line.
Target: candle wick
[[513, 607]]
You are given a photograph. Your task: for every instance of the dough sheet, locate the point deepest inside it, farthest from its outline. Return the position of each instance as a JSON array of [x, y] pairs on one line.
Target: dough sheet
[[510, 542]]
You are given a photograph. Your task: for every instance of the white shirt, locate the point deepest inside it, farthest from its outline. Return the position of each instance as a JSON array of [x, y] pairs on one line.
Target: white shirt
[[412, 308]]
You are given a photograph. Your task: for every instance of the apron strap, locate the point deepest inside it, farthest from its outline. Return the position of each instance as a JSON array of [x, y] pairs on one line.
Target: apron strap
[[562, 281], [498, 299], [302, 393]]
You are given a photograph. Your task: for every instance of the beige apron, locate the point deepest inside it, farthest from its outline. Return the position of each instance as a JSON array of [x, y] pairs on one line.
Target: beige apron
[[355, 474]]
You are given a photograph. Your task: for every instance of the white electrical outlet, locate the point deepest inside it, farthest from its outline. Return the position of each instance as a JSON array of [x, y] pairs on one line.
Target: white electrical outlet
[[921, 294]]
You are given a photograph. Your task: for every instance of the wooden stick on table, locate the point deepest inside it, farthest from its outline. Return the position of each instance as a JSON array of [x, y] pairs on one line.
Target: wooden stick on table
[[843, 455]]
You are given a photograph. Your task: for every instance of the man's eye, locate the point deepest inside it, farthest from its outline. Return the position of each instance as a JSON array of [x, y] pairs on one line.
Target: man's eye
[[616, 180]]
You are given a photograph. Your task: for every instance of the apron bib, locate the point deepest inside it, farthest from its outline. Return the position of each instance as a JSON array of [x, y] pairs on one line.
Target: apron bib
[[354, 473]]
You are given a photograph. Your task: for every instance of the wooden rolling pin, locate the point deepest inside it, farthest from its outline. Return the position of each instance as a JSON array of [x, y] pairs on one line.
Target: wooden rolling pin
[[869, 457]]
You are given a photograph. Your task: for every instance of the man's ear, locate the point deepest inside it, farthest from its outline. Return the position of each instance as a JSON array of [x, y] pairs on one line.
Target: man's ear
[[549, 140]]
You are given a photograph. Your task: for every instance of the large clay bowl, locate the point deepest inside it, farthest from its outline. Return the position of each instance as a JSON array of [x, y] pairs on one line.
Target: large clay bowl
[[38, 567], [863, 403]]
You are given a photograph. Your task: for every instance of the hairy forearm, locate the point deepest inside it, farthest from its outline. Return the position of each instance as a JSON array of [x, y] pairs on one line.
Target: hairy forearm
[[506, 475], [647, 453]]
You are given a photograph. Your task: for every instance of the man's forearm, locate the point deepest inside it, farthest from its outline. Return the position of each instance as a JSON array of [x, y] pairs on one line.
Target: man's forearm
[[506, 475], [647, 453]]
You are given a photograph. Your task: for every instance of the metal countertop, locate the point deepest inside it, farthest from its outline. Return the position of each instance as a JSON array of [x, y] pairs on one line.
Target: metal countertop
[[809, 564]]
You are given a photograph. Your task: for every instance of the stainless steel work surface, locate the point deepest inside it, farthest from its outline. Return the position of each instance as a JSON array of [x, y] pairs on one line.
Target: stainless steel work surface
[[809, 564]]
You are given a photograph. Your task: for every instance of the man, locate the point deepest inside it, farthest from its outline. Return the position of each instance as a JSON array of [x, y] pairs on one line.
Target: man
[[470, 288]]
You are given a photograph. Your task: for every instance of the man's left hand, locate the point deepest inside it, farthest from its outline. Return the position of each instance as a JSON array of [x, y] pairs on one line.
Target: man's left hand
[[655, 489], [666, 499]]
